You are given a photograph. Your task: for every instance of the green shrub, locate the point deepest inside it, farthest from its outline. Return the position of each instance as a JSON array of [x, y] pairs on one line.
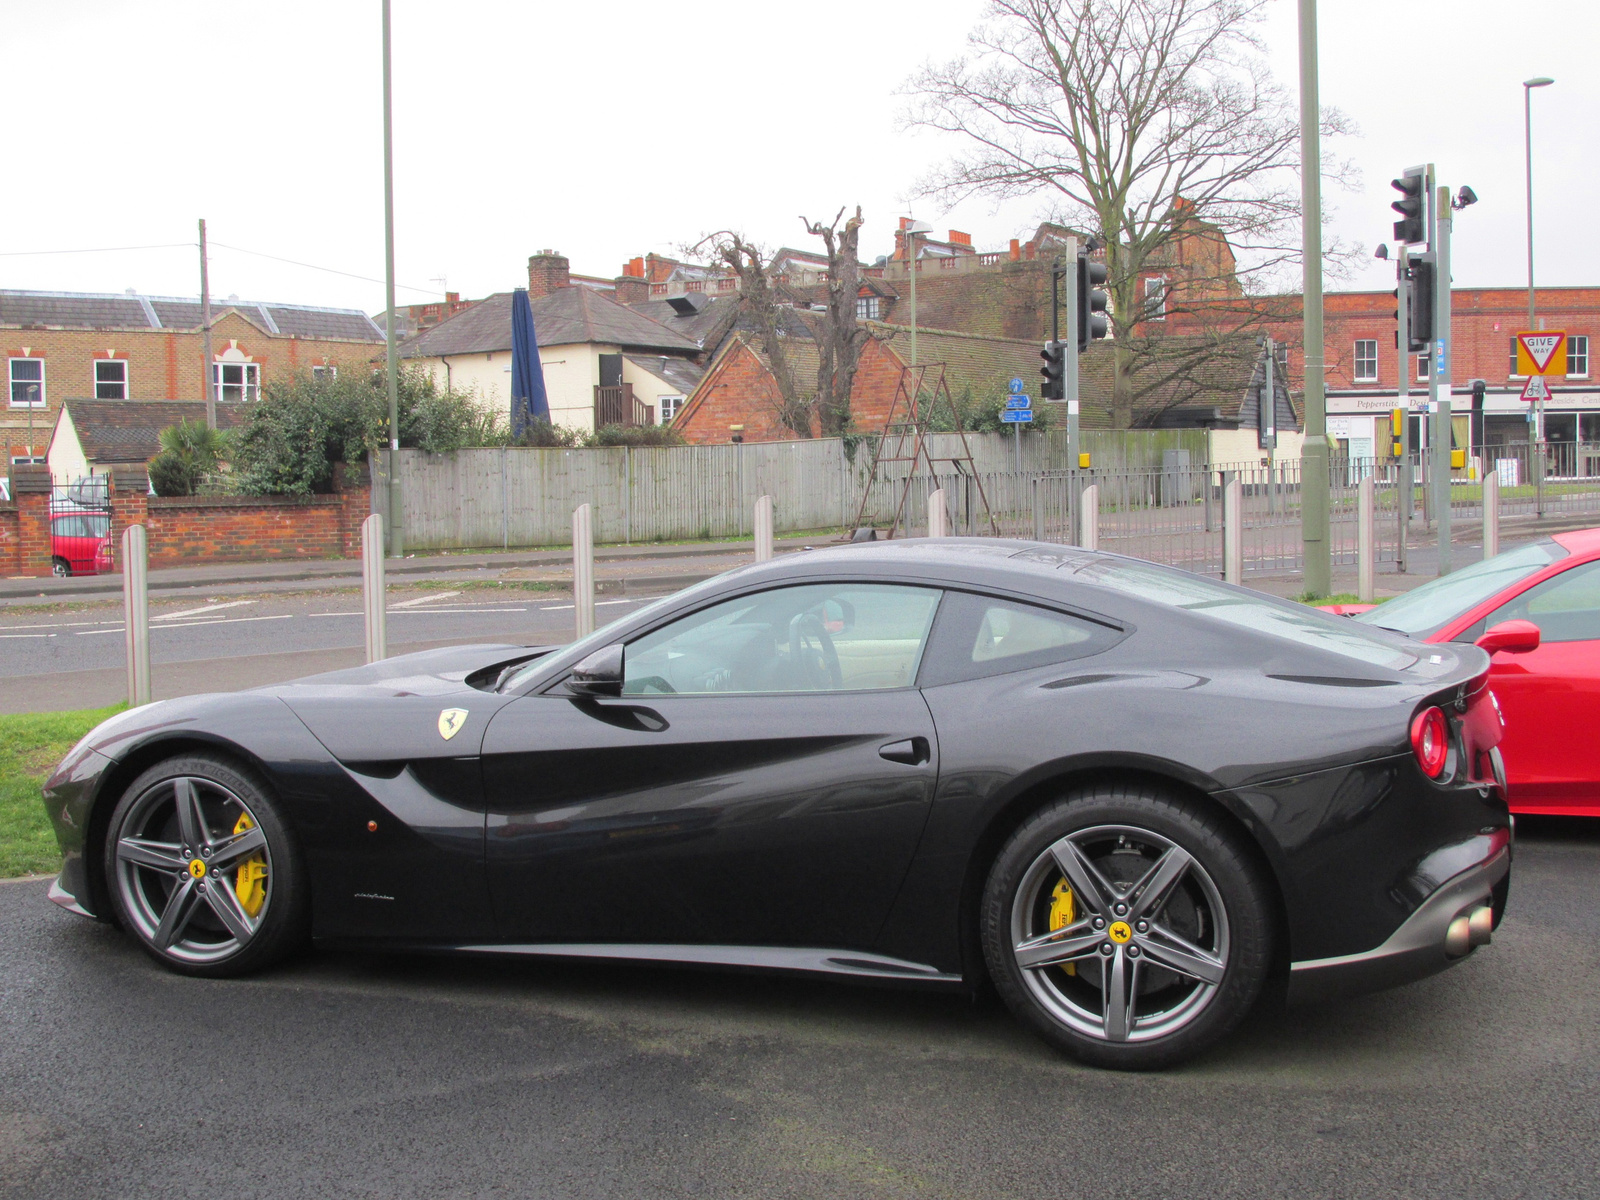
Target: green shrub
[[634, 435], [540, 432], [191, 452]]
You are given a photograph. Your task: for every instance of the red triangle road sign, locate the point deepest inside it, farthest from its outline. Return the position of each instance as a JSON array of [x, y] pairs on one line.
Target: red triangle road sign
[[1541, 347], [1536, 388]]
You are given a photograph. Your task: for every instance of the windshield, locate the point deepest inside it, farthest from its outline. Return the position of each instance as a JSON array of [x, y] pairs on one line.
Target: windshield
[[1423, 610], [1257, 611]]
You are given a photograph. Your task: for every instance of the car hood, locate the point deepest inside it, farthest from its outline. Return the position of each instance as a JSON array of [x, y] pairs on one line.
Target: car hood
[[425, 673]]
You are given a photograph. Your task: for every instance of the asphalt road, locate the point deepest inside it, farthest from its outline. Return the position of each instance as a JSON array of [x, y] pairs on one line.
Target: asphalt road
[[357, 1075]]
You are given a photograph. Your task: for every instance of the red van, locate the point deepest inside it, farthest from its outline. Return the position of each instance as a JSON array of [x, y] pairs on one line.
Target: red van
[[80, 542]]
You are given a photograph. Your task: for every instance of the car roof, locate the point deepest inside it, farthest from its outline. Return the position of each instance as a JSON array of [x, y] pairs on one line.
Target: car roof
[[1579, 541], [997, 561]]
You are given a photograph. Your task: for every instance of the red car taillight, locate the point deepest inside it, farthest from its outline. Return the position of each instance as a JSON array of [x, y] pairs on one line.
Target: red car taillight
[[1430, 741]]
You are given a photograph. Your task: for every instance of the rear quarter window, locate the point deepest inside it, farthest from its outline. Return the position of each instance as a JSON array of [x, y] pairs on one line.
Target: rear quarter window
[[977, 636]]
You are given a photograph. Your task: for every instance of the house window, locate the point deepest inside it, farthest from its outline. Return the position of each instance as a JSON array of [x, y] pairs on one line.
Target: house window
[[1366, 360], [27, 383], [28, 460], [670, 406], [1424, 361], [1511, 369], [236, 381], [1155, 298], [325, 374], [111, 379], [866, 308], [1578, 354]]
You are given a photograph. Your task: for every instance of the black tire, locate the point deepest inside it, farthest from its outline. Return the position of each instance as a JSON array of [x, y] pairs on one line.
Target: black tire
[[60, 568], [245, 901], [1212, 917]]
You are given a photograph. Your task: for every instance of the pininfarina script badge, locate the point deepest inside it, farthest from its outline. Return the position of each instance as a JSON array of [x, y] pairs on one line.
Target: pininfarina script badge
[[450, 722]]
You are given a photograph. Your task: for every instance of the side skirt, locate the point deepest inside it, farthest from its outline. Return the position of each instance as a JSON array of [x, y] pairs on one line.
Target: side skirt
[[836, 963]]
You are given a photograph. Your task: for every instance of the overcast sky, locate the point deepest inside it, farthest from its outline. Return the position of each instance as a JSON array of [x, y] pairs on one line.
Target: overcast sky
[[613, 128]]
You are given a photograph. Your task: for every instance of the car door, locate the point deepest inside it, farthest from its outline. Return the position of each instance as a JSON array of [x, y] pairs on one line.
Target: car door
[[1550, 697], [763, 779]]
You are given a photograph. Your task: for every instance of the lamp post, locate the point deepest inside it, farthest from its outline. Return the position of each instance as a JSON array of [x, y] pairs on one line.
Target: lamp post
[[1314, 517], [391, 356], [1527, 146]]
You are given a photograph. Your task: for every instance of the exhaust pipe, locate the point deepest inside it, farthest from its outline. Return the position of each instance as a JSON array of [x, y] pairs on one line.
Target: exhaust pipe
[[1468, 932]]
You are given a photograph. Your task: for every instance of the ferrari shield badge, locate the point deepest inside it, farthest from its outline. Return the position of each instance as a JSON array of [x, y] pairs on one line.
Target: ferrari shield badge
[[450, 722]]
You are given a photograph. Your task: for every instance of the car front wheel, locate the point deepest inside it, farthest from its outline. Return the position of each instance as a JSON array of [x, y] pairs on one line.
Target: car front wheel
[[60, 567], [1126, 927], [203, 870]]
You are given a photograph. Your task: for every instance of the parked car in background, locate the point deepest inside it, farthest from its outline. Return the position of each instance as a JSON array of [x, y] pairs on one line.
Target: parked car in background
[[1550, 694], [80, 541]]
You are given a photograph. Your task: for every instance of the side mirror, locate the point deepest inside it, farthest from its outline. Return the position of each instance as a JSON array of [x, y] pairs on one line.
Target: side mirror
[[600, 674], [1514, 637]]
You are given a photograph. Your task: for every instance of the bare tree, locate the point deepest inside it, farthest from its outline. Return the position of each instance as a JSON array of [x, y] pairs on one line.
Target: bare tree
[[774, 313], [839, 335], [1154, 123]]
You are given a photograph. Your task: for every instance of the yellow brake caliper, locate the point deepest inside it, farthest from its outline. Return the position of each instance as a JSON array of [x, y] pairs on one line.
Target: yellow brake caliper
[[250, 882], [1061, 912]]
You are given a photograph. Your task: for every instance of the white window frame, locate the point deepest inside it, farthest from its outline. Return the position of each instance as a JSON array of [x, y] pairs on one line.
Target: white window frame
[[99, 383], [1156, 286], [325, 373], [1577, 356], [669, 407], [867, 308], [248, 387], [12, 380], [1511, 373], [29, 460], [1371, 375]]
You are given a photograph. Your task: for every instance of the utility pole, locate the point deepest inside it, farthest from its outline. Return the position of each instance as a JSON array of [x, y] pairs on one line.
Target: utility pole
[[1316, 552], [1070, 375], [1538, 405], [207, 370], [1407, 497], [1439, 440], [396, 540]]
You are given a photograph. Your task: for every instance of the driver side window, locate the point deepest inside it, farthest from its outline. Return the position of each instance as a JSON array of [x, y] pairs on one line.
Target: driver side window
[[814, 638]]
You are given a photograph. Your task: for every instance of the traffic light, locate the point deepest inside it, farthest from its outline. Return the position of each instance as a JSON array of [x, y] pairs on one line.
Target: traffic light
[[1054, 371], [1419, 306], [1412, 206], [1092, 301]]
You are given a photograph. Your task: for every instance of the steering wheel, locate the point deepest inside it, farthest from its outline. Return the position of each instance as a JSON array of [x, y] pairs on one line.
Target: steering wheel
[[819, 669]]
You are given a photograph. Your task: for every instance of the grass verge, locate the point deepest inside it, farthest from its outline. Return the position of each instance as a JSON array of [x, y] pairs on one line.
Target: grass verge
[[31, 744]]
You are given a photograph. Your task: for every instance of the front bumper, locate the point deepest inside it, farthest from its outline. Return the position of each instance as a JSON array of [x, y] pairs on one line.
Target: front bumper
[[1415, 950]]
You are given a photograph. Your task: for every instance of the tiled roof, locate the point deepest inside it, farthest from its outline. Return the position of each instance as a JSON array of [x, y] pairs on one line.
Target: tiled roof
[[561, 318], [83, 310], [681, 373], [129, 431]]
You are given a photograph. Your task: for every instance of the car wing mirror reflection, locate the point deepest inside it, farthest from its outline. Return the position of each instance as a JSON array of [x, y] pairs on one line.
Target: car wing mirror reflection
[[600, 674], [1514, 637]]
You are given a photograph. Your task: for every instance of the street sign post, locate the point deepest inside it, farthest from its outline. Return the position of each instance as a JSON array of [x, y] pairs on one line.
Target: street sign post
[[1543, 352], [1016, 416], [1536, 388]]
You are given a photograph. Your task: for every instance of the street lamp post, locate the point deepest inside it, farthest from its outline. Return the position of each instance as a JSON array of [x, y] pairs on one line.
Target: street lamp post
[[1314, 523], [1527, 145]]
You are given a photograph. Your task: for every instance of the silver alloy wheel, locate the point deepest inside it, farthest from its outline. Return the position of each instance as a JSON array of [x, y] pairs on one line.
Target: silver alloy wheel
[[174, 852], [1147, 948]]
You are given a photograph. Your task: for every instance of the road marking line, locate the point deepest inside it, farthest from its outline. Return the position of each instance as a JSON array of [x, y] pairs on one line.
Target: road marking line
[[26, 635], [52, 625], [597, 604], [210, 608], [192, 624], [422, 600]]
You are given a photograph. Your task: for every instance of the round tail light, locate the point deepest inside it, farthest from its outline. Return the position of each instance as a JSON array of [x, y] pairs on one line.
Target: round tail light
[[1430, 741]]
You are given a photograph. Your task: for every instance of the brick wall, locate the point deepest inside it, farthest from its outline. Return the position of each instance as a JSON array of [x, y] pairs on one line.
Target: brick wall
[[742, 392], [163, 364], [10, 540]]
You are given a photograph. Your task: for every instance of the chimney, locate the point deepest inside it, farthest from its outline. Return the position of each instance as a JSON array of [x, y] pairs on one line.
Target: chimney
[[548, 272], [957, 238], [631, 288], [1016, 250]]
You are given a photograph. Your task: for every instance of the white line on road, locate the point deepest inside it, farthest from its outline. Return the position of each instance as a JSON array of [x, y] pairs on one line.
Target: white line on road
[[27, 635], [422, 600], [53, 625], [189, 612], [192, 624], [597, 604], [424, 612]]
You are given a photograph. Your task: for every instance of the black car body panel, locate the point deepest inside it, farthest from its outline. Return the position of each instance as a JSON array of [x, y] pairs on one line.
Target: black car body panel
[[842, 831]]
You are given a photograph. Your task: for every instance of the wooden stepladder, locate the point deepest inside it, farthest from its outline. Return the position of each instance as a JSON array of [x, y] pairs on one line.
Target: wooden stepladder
[[917, 397]]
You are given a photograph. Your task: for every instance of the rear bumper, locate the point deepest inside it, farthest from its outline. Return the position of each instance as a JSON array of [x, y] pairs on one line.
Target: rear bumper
[[1415, 950]]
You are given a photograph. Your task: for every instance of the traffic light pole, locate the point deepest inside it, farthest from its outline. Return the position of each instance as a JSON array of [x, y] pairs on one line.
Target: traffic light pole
[[1070, 375], [1315, 550], [1439, 439], [1406, 500]]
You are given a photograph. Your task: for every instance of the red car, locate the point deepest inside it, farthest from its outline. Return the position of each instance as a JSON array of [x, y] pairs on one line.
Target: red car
[[1549, 694], [80, 542]]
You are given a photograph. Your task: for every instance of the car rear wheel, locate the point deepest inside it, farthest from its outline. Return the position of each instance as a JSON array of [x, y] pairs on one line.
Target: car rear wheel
[[1126, 927], [203, 871]]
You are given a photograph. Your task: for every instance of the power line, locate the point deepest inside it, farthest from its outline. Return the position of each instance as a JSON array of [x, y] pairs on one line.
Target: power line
[[314, 267], [96, 250]]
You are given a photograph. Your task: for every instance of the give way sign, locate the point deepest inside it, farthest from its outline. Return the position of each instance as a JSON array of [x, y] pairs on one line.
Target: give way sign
[[1542, 353]]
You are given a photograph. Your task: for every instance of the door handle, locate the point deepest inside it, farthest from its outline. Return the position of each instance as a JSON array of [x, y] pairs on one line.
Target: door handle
[[911, 751]]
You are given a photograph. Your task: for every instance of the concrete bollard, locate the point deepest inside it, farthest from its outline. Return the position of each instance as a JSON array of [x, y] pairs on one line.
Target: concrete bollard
[[938, 515], [1233, 530], [1038, 508], [1089, 515], [1366, 549], [136, 612], [763, 529], [1491, 513], [583, 570], [374, 589]]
